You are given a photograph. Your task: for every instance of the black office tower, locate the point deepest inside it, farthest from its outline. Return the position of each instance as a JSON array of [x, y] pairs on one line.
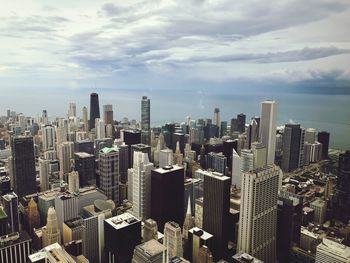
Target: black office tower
[[167, 195], [84, 164], [291, 147], [342, 195], [216, 206], [241, 122], [289, 217], [122, 234], [23, 165], [94, 110], [323, 137]]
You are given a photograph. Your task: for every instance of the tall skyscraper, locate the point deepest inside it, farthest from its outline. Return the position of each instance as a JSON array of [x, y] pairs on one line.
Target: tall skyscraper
[[109, 172], [216, 206], [150, 230], [217, 119], [122, 234], [289, 217], [291, 147], [65, 154], [268, 126], [23, 165], [146, 120], [66, 207], [323, 137], [44, 118], [44, 174], [258, 213], [173, 240], [10, 203], [141, 185], [15, 247], [48, 137], [241, 122], [85, 119], [108, 114], [236, 169], [93, 248], [167, 195], [84, 164], [72, 111], [342, 195], [100, 128], [51, 232], [217, 162], [94, 110]]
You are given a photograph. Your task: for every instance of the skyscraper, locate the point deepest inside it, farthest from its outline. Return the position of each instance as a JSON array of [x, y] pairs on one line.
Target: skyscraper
[[48, 137], [122, 234], [84, 164], [291, 147], [146, 120], [94, 110], [241, 122], [217, 119], [72, 111], [51, 232], [258, 213], [108, 114], [141, 185], [236, 169], [173, 240], [151, 252], [23, 164], [10, 203], [85, 118], [342, 195], [109, 172], [216, 205], [65, 154], [66, 207], [15, 247], [33, 216], [167, 195], [268, 125], [217, 162], [100, 128], [323, 137], [196, 239]]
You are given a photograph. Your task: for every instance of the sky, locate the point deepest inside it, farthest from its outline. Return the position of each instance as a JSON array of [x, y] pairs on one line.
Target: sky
[[59, 51]]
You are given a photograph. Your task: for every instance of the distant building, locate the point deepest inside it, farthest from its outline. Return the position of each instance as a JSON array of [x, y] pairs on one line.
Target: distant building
[[323, 137], [94, 110], [146, 120], [268, 126], [108, 114]]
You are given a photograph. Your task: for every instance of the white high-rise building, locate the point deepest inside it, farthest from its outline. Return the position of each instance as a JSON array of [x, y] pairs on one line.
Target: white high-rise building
[[332, 252], [236, 169], [44, 174], [65, 154], [141, 185], [258, 213], [72, 111], [48, 137], [109, 172], [173, 240], [100, 128], [166, 157], [73, 182], [85, 118], [247, 160], [260, 154], [268, 126], [216, 119]]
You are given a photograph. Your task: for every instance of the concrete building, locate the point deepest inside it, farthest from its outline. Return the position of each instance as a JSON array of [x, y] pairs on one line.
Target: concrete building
[[173, 240], [320, 208], [330, 251], [51, 232], [258, 213], [268, 126], [15, 247], [151, 252]]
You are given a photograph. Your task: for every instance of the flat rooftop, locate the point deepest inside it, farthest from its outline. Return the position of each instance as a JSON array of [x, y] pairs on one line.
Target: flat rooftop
[[122, 220]]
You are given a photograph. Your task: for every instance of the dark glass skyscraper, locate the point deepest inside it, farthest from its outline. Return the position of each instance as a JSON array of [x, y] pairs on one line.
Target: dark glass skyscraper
[[167, 195], [23, 165], [94, 110], [216, 206], [323, 137], [241, 122], [146, 120], [342, 196], [291, 147]]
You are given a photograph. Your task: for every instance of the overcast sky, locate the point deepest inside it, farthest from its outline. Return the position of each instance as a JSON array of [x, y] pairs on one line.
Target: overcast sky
[[85, 45]]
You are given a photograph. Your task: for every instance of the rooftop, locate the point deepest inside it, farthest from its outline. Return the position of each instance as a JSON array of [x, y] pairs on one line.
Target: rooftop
[[166, 169], [152, 247], [83, 154], [201, 233], [122, 220], [338, 250]]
